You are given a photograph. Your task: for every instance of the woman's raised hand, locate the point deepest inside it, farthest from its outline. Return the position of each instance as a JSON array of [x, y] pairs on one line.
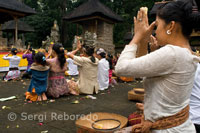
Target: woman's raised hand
[[142, 29], [79, 45], [153, 43], [29, 46]]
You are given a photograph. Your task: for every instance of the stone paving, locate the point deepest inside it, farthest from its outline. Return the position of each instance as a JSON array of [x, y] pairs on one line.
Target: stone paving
[[59, 116]]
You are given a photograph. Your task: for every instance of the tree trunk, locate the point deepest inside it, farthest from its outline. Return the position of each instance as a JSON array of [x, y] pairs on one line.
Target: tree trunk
[[63, 36]]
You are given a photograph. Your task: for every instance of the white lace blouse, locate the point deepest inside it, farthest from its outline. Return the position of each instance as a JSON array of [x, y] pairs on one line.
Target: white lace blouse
[[169, 76]]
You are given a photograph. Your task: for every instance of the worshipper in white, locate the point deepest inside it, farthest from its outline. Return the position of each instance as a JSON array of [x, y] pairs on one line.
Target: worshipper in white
[[14, 61], [103, 69], [195, 101], [72, 68], [169, 71]]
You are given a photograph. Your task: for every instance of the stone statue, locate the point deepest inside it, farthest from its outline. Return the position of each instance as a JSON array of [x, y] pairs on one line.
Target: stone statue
[[88, 39], [55, 33], [19, 44], [54, 36]]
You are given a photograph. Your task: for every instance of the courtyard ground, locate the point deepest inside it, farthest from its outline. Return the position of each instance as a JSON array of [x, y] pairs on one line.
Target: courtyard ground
[[57, 115]]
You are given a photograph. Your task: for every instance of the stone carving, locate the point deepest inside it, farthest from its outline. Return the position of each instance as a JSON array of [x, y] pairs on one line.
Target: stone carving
[[19, 44], [88, 39], [92, 40], [54, 36], [55, 33]]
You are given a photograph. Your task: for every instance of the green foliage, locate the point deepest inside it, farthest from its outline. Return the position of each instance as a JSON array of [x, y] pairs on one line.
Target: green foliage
[[48, 11]]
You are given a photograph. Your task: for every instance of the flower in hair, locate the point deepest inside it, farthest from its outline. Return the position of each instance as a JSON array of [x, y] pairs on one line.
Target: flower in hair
[[44, 58]]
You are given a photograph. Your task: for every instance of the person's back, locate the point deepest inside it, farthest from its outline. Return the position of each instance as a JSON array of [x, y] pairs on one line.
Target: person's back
[[103, 69], [39, 78], [195, 101], [14, 60], [88, 68], [57, 84], [87, 74], [55, 65], [29, 58], [171, 88], [38, 85], [72, 68], [103, 74]]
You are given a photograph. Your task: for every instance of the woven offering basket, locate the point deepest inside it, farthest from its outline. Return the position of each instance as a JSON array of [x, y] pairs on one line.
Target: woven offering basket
[[139, 90], [88, 123], [137, 94]]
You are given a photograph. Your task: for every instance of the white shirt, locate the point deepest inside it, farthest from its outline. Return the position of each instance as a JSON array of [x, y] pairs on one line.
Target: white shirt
[[169, 73], [195, 99], [103, 74], [13, 60], [72, 68]]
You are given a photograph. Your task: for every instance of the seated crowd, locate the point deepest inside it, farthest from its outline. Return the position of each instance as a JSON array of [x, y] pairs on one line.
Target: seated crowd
[[47, 71]]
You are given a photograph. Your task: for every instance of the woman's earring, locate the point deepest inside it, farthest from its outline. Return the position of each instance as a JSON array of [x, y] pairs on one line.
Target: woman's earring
[[169, 32]]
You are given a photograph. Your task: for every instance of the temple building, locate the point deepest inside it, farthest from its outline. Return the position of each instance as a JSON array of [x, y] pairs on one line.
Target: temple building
[[96, 18], [12, 10]]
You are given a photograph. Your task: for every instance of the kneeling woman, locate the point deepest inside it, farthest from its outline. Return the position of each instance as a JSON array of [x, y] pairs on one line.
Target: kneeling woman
[[57, 84], [39, 71], [14, 72], [88, 69]]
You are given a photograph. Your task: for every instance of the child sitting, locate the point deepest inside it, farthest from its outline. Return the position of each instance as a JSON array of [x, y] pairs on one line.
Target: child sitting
[[38, 85]]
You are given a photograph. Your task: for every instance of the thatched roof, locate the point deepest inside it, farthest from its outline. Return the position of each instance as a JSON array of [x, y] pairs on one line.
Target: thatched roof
[[15, 8], [22, 27], [90, 9]]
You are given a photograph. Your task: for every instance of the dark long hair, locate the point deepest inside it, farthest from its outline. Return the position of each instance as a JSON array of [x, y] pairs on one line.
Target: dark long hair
[[89, 50], [183, 12], [58, 48], [110, 58]]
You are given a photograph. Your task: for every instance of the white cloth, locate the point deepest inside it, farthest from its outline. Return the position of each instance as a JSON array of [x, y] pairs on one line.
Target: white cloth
[[13, 60], [169, 73], [72, 68], [195, 99], [103, 74]]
